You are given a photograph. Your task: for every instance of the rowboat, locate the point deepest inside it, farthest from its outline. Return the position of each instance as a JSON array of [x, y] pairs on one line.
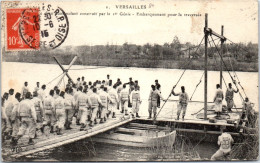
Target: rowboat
[[138, 135]]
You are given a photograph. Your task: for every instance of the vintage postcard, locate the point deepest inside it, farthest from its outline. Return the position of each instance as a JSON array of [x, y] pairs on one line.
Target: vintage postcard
[[120, 80]]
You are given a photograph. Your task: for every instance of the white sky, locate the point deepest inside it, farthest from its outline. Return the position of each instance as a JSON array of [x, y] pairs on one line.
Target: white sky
[[239, 17]]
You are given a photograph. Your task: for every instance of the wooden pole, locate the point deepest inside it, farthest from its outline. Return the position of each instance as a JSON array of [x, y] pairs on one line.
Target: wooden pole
[[221, 53], [206, 68]]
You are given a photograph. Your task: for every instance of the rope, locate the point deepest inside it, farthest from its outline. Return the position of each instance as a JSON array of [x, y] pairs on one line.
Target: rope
[[216, 63], [177, 82], [226, 67], [54, 79], [235, 75], [197, 86]]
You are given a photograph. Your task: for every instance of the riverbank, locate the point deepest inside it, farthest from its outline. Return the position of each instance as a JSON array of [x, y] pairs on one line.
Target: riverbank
[[184, 63]]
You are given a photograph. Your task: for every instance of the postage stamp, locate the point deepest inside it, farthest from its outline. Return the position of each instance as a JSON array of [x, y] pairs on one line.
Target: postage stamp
[[22, 28]]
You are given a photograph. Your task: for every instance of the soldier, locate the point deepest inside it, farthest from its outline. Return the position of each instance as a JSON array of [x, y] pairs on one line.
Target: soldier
[[77, 112], [249, 112], [39, 110], [56, 93], [158, 87], [225, 141], [95, 102], [229, 96], [15, 118], [183, 101], [107, 81], [135, 100], [59, 113], [28, 117], [48, 106], [131, 88], [105, 98], [124, 99], [218, 100], [9, 105], [41, 93], [83, 103], [114, 101], [78, 83], [37, 88], [69, 107], [25, 89], [119, 89], [153, 97], [137, 85]]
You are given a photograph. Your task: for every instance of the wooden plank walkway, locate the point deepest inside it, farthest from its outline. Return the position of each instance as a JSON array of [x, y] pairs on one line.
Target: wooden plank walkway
[[49, 141]]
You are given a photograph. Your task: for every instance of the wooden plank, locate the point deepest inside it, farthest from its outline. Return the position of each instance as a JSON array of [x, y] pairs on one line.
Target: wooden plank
[[190, 121], [59, 141], [147, 126]]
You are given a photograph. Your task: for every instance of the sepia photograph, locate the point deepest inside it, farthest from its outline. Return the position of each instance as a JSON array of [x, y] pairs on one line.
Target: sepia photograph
[[120, 80]]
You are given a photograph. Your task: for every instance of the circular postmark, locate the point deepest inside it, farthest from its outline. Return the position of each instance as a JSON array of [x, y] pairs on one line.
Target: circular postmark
[[29, 27], [54, 26], [46, 27]]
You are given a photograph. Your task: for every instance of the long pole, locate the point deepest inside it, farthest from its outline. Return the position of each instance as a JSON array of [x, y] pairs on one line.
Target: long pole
[[221, 53], [206, 68]]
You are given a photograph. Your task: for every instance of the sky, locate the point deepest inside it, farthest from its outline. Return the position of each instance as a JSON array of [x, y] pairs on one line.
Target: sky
[[239, 17]]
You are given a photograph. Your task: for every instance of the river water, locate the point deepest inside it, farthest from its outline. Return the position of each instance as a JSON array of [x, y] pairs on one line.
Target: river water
[[15, 74]]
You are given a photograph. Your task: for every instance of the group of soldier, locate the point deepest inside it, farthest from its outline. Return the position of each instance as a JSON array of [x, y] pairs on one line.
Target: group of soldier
[[87, 102]]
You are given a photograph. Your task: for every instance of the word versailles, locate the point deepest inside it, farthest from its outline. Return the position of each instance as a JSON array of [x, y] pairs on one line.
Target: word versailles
[[131, 6]]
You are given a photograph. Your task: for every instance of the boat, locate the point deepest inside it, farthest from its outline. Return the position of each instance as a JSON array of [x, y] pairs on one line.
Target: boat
[[139, 135]]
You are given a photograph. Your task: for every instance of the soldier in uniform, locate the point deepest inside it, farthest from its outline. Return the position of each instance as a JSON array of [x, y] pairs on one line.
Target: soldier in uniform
[[48, 106], [124, 99], [25, 89], [15, 119], [95, 102], [83, 103], [37, 88], [135, 101], [219, 96], [28, 117], [183, 102], [39, 110], [59, 108], [41, 92], [229, 96], [153, 97], [114, 101], [105, 99], [69, 107], [9, 105], [225, 141]]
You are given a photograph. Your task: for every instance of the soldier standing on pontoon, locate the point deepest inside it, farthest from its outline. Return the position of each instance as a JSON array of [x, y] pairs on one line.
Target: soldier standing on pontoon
[[219, 96], [183, 102], [229, 96]]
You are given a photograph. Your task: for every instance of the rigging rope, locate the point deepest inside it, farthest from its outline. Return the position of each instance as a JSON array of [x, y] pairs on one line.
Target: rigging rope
[[177, 81], [197, 86], [235, 74], [216, 62], [226, 67], [54, 79]]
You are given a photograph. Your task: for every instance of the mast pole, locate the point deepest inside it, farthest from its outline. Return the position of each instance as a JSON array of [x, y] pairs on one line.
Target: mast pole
[[221, 53], [206, 67]]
